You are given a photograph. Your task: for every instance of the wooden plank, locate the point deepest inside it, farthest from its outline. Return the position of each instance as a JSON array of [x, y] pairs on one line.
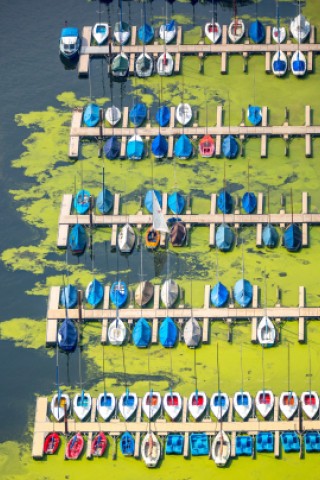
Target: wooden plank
[[155, 327], [310, 62], [277, 444], [105, 321], [312, 36], [179, 35], [63, 234], [308, 146], [84, 59], [254, 324], [138, 434], [170, 146], [133, 35], [302, 298], [255, 296], [92, 419], [184, 409], [233, 445], [259, 235], [206, 323], [52, 323], [186, 445], [125, 117], [116, 210], [276, 409], [177, 60], [268, 62], [74, 145], [123, 148], [268, 35], [39, 436], [224, 63], [131, 63], [224, 39], [172, 117]]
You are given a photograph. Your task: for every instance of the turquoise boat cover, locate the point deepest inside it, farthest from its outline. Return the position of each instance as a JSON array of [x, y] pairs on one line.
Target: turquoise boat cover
[[257, 31], [118, 293], [141, 334], [244, 445], [148, 199], [199, 444], [254, 114], [70, 32], [159, 146], [290, 441], [219, 295], [292, 238], [224, 237], [81, 202], [249, 202], [94, 293], [104, 201], [77, 239], [270, 236], [68, 296], [163, 116], [135, 149], [183, 147], [91, 115], [168, 333], [176, 203], [146, 33], [174, 444], [243, 292], [67, 336], [230, 147], [138, 114], [265, 442], [312, 441]]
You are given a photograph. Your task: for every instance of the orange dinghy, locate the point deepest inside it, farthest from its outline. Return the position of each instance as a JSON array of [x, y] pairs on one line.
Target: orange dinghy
[[207, 146], [152, 238]]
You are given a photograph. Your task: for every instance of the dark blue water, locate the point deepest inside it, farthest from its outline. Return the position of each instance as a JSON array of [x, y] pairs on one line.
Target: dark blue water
[[32, 76]]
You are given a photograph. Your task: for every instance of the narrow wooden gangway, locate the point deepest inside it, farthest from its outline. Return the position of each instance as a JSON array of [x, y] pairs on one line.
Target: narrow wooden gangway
[[201, 49], [212, 219], [229, 313], [161, 427], [242, 131]]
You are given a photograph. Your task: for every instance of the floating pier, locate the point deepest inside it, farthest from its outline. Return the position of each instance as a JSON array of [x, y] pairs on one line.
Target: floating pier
[[157, 313], [213, 219], [201, 49], [78, 131], [161, 427]]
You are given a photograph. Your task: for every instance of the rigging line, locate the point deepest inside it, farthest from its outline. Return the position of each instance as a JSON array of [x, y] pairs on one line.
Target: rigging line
[[241, 366], [263, 375], [195, 368], [288, 367]]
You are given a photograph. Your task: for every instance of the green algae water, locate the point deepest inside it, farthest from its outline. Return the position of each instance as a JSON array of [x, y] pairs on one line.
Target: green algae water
[[39, 172]]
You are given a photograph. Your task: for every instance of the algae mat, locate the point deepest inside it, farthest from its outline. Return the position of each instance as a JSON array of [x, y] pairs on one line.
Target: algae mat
[[45, 163]]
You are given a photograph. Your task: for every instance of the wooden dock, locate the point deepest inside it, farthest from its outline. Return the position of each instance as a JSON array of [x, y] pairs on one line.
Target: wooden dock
[[157, 313], [213, 219], [201, 49], [264, 131], [161, 427]]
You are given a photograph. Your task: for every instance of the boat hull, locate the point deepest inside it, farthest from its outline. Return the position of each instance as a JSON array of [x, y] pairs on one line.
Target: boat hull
[[221, 448], [99, 444], [242, 402], [266, 332], [165, 64], [197, 404], [183, 113], [279, 34], [310, 403], [236, 30], [288, 404], [60, 406], [151, 404], [298, 64], [264, 402], [100, 32], [106, 405], [127, 404], [113, 115], [117, 332], [150, 450], [74, 447], [51, 443], [279, 64], [219, 405], [172, 403], [213, 31], [152, 238], [82, 405]]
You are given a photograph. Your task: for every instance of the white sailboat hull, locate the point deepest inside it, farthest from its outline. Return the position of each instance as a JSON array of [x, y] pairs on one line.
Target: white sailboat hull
[[279, 56], [165, 64], [169, 292], [144, 72], [266, 332], [172, 403], [310, 403], [197, 404], [279, 34], [126, 239], [167, 35], [242, 402], [106, 406], [82, 405], [219, 405], [127, 404], [288, 404], [183, 113], [122, 37], [151, 404], [300, 28], [221, 448], [213, 31], [150, 450], [236, 30], [298, 56], [113, 115], [59, 407], [100, 32], [264, 402], [192, 333], [117, 332]]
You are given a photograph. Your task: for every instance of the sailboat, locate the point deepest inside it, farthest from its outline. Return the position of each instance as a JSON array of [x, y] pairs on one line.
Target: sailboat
[[224, 234], [165, 60], [74, 447], [300, 27], [270, 235], [219, 402], [159, 145], [169, 292], [113, 115], [219, 294], [236, 28], [126, 238], [91, 115], [106, 401], [81, 401], [144, 293], [279, 59], [67, 336], [81, 202], [70, 42], [292, 237], [213, 29], [230, 146], [60, 403], [68, 296], [278, 33], [144, 63], [168, 31], [172, 401], [176, 203], [192, 330], [257, 31], [153, 201], [221, 448], [249, 200], [243, 290], [197, 401], [141, 333], [242, 400], [104, 200], [127, 443], [151, 401], [206, 143], [150, 449], [289, 401], [266, 331], [128, 401], [310, 399], [100, 30], [183, 147], [122, 30], [51, 443], [168, 333], [120, 66], [183, 113], [117, 331], [94, 292], [178, 233], [99, 444], [264, 400], [163, 114]]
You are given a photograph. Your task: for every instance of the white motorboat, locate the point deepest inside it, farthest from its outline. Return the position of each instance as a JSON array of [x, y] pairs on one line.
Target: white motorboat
[[100, 32]]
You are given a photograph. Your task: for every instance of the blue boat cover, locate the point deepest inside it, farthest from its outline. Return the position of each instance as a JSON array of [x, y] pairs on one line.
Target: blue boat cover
[[270, 236], [168, 333], [137, 114], [257, 31], [118, 293], [219, 295], [199, 444], [68, 296], [244, 445], [254, 114], [292, 238], [312, 441], [104, 201], [146, 33], [279, 65], [112, 148], [81, 202], [183, 147], [243, 292], [249, 202], [159, 146], [163, 116], [170, 26], [265, 442], [176, 203], [70, 32], [135, 149], [175, 443], [77, 239], [224, 237], [230, 147], [127, 444], [91, 115], [290, 441], [67, 336], [298, 65], [224, 201], [148, 199], [94, 294], [141, 333]]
